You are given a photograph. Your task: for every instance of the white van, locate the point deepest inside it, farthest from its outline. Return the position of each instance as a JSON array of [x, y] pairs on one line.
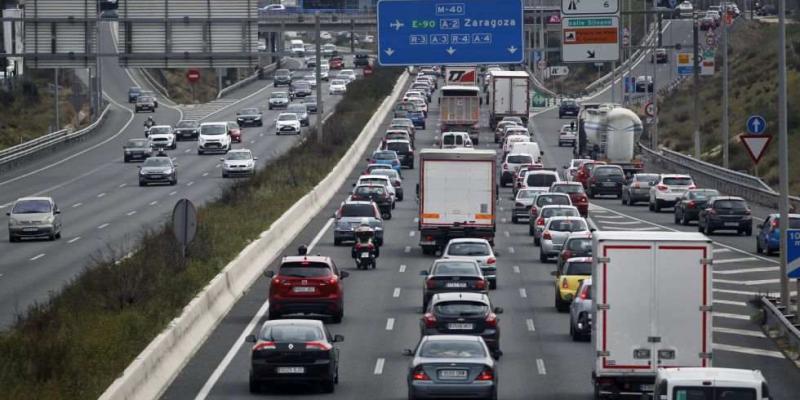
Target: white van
[[452, 140], [297, 47], [710, 383], [531, 148]]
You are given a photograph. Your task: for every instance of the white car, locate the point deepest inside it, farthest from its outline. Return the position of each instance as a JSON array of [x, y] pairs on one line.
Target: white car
[[162, 137], [511, 139], [556, 232], [568, 135], [347, 74], [478, 250], [668, 189], [337, 86], [368, 39], [272, 8], [685, 9], [287, 123], [324, 71], [213, 137], [324, 35], [417, 93], [311, 79], [238, 162], [540, 179], [421, 104]]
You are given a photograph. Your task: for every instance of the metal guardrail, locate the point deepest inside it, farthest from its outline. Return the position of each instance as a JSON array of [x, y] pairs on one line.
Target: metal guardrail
[[30, 147], [777, 323]]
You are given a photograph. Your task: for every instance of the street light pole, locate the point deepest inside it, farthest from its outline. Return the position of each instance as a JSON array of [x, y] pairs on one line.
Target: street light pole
[[725, 104], [98, 67], [317, 72], [783, 153], [696, 84]]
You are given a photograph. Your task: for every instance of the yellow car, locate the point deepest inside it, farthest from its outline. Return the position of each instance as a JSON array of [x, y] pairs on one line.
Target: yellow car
[[568, 278]]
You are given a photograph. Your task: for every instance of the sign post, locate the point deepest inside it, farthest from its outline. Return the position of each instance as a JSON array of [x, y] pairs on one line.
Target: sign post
[[193, 76], [424, 32], [184, 223]]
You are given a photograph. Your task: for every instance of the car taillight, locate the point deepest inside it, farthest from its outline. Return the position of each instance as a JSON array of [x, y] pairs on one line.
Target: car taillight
[[661, 187], [583, 199], [396, 183], [264, 346], [491, 320], [485, 375], [540, 221], [333, 280], [491, 260], [584, 294], [635, 185], [430, 320], [505, 166], [518, 204], [692, 187], [775, 224], [566, 254], [480, 284], [316, 345], [420, 375], [565, 284], [534, 210], [430, 283], [546, 235], [691, 204]]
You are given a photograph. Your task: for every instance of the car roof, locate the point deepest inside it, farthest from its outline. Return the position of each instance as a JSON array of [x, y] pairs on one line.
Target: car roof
[[542, 171], [452, 260], [382, 177], [160, 126], [565, 218], [398, 141], [580, 235], [50, 199], [213, 123], [286, 113], [356, 202], [675, 176], [717, 198], [552, 206], [467, 296], [239, 151], [449, 338]]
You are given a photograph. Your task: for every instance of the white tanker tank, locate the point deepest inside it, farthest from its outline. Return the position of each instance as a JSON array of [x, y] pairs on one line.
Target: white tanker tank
[[609, 132]]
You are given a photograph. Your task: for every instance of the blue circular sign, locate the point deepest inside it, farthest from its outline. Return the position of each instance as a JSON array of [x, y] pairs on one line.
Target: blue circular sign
[[756, 124]]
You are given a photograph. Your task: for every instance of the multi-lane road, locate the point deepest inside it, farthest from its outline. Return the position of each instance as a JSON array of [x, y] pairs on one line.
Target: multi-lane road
[[104, 209], [383, 306]]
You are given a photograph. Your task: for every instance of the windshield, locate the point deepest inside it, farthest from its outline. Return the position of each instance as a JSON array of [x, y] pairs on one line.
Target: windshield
[[526, 194], [358, 210], [238, 155], [540, 180], [468, 249], [568, 189], [144, 99], [573, 225], [368, 190], [568, 103], [337, 82], [159, 130], [31, 207], [305, 269], [384, 155], [389, 173], [250, 111], [279, 95], [213, 130], [287, 117], [461, 309], [730, 205], [650, 178], [283, 73], [137, 143], [678, 181], [608, 171], [713, 393], [452, 349], [402, 122], [516, 120], [582, 245], [398, 147], [559, 212], [187, 124], [455, 268], [291, 333], [156, 162], [578, 268], [452, 140], [557, 200], [372, 181], [520, 159]]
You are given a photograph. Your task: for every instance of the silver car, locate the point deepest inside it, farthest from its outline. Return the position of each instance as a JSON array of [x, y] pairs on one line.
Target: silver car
[[34, 217], [556, 232], [580, 312], [238, 162], [451, 366], [637, 188], [544, 215], [522, 204], [474, 249]]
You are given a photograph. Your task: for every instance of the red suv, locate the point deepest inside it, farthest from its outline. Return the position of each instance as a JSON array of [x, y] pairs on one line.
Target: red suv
[[307, 285]]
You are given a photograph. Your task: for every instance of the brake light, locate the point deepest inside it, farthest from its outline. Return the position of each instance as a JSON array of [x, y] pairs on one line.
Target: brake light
[[661, 187], [534, 210], [691, 204], [430, 283], [317, 345], [491, 260], [583, 199], [505, 166], [430, 320], [420, 375], [332, 280], [491, 320], [775, 224], [546, 235], [564, 284], [264, 346], [486, 375], [540, 221], [584, 294], [480, 284], [566, 254]]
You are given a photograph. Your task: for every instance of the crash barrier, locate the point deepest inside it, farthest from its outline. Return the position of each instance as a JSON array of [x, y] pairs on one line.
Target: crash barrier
[[780, 325]]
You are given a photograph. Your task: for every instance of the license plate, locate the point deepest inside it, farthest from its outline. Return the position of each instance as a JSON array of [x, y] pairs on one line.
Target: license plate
[[291, 370], [609, 184], [287, 128], [453, 374], [646, 388], [30, 229], [364, 255], [303, 289], [734, 224], [456, 284], [460, 326]]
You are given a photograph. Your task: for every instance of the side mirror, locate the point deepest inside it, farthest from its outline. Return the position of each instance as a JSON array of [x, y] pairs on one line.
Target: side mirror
[[344, 274], [498, 310], [269, 274], [408, 352], [222, 159], [338, 338], [541, 152], [174, 165], [57, 212], [423, 273], [250, 339], [592, 230], [255, 158], [8, 213]]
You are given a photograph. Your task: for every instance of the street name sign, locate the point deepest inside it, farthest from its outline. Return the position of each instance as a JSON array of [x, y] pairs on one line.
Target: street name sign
[[590, 38], [583, 7], [685, 64], [425, 32]]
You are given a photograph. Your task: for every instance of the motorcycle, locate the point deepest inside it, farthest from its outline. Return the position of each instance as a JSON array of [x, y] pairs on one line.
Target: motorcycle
[[365, 255]]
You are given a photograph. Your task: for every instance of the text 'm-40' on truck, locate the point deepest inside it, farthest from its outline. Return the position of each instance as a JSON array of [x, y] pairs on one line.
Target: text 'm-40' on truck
[[652, 309], [509, 96], [457, 194]]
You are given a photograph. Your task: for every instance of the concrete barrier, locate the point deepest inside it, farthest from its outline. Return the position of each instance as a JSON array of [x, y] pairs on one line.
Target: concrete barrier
[[156, 366]]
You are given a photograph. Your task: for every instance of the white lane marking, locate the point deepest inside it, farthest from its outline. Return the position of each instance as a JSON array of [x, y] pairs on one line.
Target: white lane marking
[[389, 324], [734, 260], [123, 185], [507, 234], [190, 183], [34, 258], [187, 150], [261, 135], [730, 303], [205, 173], [396, 293], [523, 293], [154, 202], [226, 361], [747, 350], [252, 142], [610, 217], [76, 205], [173, 193], [621, 222], [75, 239], [720, 250], [741, 332], [503, 220], [101, 195], [744, 292], [747, 283], [412, 233], [516, 269], [402, 268], [626, 228], [2, 207], [103, 226], [511, 250], [407, 249], [746, 270], [379, 366], [131, 213], [540, 366], [529, 323], [218, 165], [731, 316], [416, 220]]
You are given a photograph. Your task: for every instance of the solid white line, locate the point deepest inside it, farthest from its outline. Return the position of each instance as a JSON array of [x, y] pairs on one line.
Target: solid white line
[[731, 316], [720, 250], [396, 292], [154, 202], [742, 332], [529, 323], [131, 213], [34, 258], [734, 260], [320, 234], [730, 302], [407, 249], [389, 324], [516, 269], [540, 366], [101, 195], [523, 293], [402, 268], [746, 350], [103, 226], [411, 234], [76, 205], [746, 270], [610, 217], [379, 366], [187, 150], [75, 239], [620, 222]]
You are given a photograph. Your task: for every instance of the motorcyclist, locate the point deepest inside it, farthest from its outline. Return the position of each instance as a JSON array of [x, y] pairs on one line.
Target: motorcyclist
[[148, 123], [365, 239], [302, 250]]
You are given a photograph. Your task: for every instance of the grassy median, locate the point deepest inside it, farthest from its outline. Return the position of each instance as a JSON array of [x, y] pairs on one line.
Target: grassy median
[[74, 345]]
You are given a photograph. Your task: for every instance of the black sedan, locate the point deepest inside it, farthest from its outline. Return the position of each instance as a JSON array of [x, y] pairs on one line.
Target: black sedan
[[187, 129], [688, 207], [726, 213], [294, 351], [136, 149], [300, 89], [568, 107], [249, 117], [447, 276], [158, 170]]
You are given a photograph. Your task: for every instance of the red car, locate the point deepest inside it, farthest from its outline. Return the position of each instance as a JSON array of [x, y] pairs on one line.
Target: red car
[[307, 285], [336, 62], [234, 132], [585, 172], [576, 194]]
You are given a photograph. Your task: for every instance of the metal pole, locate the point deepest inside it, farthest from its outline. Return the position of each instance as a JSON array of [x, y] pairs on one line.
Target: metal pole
[[320, 108], [696, 86], [656, 45], [542, 44], [56, 101], [352, 35], [613, 83], [99, 64], [725, 104], [783, 152]]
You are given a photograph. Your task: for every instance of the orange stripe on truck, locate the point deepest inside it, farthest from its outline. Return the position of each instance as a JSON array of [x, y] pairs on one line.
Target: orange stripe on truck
[[430, 215], [484, 216]]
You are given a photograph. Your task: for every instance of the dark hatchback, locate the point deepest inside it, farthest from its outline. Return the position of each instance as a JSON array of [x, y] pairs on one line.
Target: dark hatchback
[[299, 89], [689, 205], [136, 149], [726, 213], [447, 276], [377, 194], [361, 60], [463, 314], [133, 94], [187, 129], [404, 152], [568, 107], [294, 351], [249, 117], [282, 77], [606, 179]]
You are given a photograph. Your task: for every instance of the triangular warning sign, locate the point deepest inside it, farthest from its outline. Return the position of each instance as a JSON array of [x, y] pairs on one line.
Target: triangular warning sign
[[755, 145]]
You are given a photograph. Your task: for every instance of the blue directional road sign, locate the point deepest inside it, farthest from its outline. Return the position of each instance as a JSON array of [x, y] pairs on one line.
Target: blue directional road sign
[[756, 124], [426, 32], [793, 253]]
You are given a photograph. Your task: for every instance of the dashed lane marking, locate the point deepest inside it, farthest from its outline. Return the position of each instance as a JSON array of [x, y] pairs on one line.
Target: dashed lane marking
[[131, 213], [402, 268], [745, 292], [103, 226], [411, 233], [407, 249], [34, 258], [507, 234], [173, 193], [516, 269], [745, 270], [154, 202], [379, 366], [734, 260], [190, 183], [75, 239], [747, 350], [187, 150], [621, 222], [529, 323], [740, 332], [511, 250], [76, 205], [205, 173], [610, 216], [101, 195], [523, 293], [625, 228], [390, 324], [540, 366], [123, 185], [396, 293], [731, 316]]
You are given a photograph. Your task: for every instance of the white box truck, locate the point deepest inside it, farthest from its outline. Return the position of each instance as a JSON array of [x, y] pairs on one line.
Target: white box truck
[[509, 96], [652, 307], [457, 194], [710, 383]]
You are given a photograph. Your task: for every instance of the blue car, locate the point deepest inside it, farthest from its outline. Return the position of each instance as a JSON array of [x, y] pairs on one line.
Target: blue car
[[418, 118], [768, 238], [388, 157]]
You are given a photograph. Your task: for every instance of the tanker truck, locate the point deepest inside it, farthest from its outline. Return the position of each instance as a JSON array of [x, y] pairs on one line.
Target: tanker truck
[[610, 132]]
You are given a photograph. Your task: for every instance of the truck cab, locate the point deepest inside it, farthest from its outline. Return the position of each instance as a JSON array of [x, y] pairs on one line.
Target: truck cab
[[710, 384]]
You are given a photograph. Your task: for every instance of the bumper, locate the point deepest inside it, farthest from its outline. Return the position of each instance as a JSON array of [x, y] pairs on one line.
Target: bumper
[[550, 248], [732, 225], [668, 198], [602, 189], [318, 371], [439, 236], [349, 235], [145, 179], [521, 212], [186, 135], [691, 215], [573, 113], [211, 147], [324, 306], [145, 108], [287, 129], [639, 194], [566, 295], [238, 171], [489, 273], [279, 105], [281, 82], [249, 122], [137, 155], [31, 231], [466, 390]]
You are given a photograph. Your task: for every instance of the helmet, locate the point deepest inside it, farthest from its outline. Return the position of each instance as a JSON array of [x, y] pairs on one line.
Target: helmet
[[302, 250], [365, 222]]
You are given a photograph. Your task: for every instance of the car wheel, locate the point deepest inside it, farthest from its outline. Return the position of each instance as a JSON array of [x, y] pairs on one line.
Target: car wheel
[[270, 107], [199, 152], [58, 235], [561, 306], [675, 219], [709, 231], [590, 192], [387, 216], [337, 242], [278, 133], [411, 166], [531, 231], [572, 332], [759, 250], [337, 318], [492, 284], [542, 256], [657, 206], [141, 183], [684, 219], [126, 159], [12, 238], [748, 232], [329, 386], [224, 175], [769, 251], [619, 194], [624, 200], [699, 226], [255, 386], [650, 206], [51, 237], [273, 315], [537, 241], [173, 182]]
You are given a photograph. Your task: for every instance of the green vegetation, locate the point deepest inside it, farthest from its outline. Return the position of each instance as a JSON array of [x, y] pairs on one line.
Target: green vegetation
[[75, 344], [753, 89]]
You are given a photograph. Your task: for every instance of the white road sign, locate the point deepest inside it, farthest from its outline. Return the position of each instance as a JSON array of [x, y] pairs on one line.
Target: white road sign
[[582, 7], [560, 70], [591, 38]]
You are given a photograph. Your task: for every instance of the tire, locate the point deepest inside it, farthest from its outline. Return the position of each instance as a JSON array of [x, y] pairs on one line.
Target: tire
[[759, 250], [142, 183], [329, 386], [58, 235], [337, 318], [200, 152], [675, 218], [561, 306], [12, 238], [769, 251], [748, 232], [173, 182], [589, 192], [542, 256], [699, 227], [531, 231], [709, 231], [684, 220], [619, 194], [537, 241], [224, 175], [273, 315], [400, 198], [492, 284], [126, 159], [650, 206], [411, 166], [255, 386], [387, 216], [624, 201], [657, 206]]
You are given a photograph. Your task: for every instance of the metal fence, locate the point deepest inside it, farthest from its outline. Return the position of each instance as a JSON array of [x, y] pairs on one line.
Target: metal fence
[[779, 324]]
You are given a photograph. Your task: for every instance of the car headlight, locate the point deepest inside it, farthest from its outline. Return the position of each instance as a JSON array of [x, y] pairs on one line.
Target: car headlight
[[50, 219], [127, 152], [258, 117], [12, 222]]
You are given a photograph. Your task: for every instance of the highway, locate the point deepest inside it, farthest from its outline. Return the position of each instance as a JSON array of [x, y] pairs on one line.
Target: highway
[[104, 210], [383, 306]]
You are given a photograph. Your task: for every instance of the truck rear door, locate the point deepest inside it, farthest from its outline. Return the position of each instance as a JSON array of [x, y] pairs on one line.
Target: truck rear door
[[457, 191], [519, 96], [502, 95]]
